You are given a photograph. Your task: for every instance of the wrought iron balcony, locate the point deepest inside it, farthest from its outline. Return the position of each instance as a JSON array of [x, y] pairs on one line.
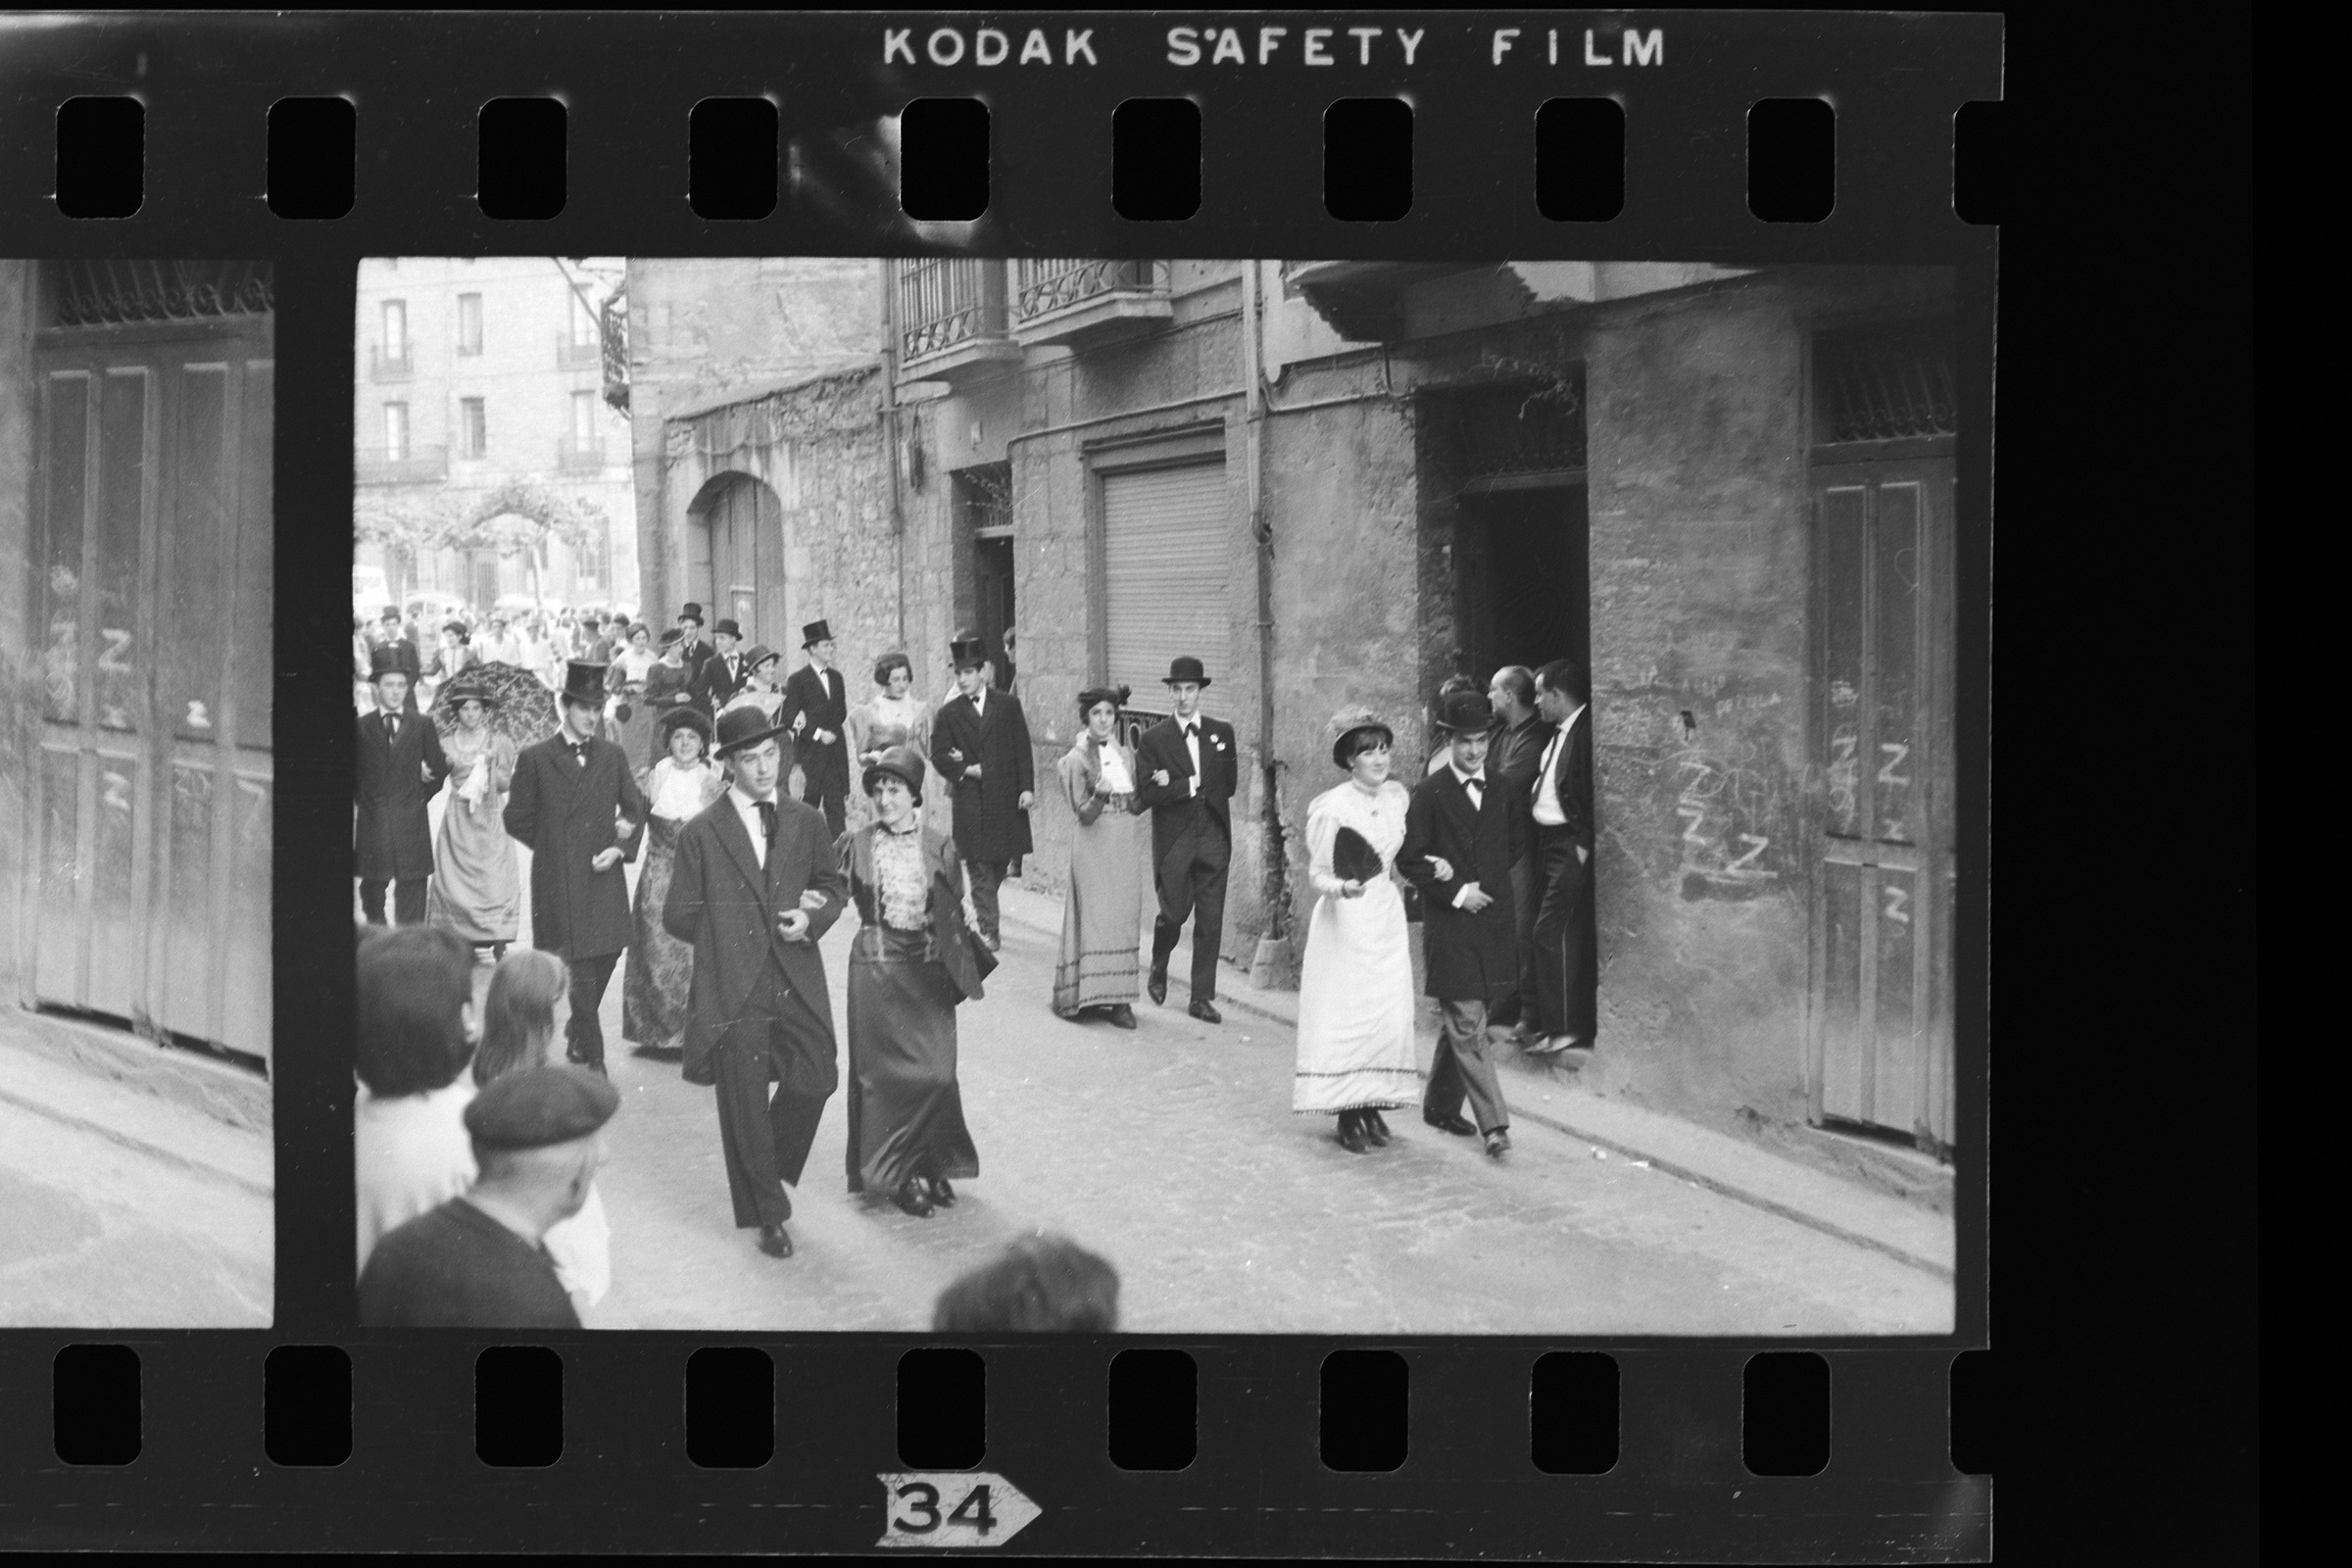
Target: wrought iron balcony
[[952, 320], [1088, 301], [575, 356], [397, 363], [580, 454], [612, 323], [414, 465]]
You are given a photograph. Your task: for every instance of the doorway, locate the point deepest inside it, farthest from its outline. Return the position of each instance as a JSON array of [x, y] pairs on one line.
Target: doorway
[[1523, 578], [735, 557]]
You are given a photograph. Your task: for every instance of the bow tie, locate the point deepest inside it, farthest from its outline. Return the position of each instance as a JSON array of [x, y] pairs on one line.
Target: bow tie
[[1191, 731]]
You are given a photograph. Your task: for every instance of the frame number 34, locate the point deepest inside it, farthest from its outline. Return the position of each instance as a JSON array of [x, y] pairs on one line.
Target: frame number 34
[[952, 1508]]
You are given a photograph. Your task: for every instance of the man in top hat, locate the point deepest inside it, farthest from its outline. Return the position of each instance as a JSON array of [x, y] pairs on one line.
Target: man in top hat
[[400, 765], [480, 1262], [816, 711], [980, 745], [1188, 765], [1566, 939], [754, 886], [690, 627], [576, 804], [722, 675], [1462, 835]]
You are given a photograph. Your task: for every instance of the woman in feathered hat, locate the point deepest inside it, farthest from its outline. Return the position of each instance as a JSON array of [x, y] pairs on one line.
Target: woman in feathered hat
[[1102, 920], [478, 886]]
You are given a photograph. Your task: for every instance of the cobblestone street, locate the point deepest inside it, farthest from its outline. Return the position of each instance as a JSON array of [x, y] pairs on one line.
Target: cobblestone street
[[1173, 1151]]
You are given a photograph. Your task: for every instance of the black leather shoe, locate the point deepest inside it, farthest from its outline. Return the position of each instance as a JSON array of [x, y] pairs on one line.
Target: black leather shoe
[[942, 1194], [1123, 1015], [773, 1241], [1499, 1144], [1157, 987], [1454, 1124], [1206, 1011], [1376, 1128], [1351, 1133], [913, 1199]]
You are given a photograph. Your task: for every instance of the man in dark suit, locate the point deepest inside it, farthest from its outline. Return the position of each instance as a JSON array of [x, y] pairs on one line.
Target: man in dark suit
[[400, 766], [690, 632], [755, 885], [816, 711], [722, 676], [575, 803], [1514, 753], [1187, 765], [1566, 942], [1461, 838], [980, 745], [595, 646]]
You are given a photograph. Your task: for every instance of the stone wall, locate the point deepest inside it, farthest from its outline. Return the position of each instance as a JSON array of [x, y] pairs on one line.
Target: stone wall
[[20, 671]]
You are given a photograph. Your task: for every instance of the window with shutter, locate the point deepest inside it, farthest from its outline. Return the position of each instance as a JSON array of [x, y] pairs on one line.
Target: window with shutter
[[1166, 551]]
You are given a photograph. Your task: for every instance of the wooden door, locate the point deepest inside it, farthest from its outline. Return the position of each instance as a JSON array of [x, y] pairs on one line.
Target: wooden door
[[153, 801], [1879, 1048], [737, 567]]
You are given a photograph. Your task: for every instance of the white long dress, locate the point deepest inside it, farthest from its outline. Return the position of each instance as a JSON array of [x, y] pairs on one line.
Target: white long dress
[[1356, 984]]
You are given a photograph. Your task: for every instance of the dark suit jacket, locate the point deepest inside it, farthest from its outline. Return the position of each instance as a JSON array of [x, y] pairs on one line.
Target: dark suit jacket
[[714, 683], [1472, 958], [566, 813], [395, 780], [825, 704], [1573, 778], [989, 824], [1171, 803], [1512, 761], [725, 905]]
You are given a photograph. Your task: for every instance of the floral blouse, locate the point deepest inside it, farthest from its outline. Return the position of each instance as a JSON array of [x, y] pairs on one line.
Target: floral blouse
[[901, 884]]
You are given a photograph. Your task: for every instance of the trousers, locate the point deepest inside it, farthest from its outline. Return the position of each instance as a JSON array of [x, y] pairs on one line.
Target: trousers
[[1463, 1069], [769, 1101], [584, 1041], [828, 790], [986, 876], [408, 900], [1518, 1005], [1190, 882], [1566, 960]]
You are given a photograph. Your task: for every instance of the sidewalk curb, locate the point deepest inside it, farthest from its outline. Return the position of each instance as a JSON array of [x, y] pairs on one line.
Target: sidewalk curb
[[1012, 909], [136, 1145]]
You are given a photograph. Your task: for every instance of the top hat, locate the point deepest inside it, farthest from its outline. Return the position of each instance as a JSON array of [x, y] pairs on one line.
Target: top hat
[[1465, 712], [584, 682], [391, 613], [465, 689], [1346, 723], [902, 763], [817, 631], [739, 727], [1116, 696], [1184, 667], [965, 652], [726, 628], [390, 659], [692, 612]]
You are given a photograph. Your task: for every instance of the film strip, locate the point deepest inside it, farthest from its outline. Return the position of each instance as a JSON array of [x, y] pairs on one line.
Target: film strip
[[1649, 353]]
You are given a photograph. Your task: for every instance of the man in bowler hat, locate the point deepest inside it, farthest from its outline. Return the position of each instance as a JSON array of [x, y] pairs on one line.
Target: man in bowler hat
[[722, 675], [400, 765], [816, 711], [1462, 835], [755, 885], [980, 745], [1188, 764], [576, 804]]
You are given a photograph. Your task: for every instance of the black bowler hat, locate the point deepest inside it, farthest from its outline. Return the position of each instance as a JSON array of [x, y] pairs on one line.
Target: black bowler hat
[[740, 727], [1465, 712], [583, 683], [966, 652], [693, 611], [726, 628], [1184, 667], [817, 631]]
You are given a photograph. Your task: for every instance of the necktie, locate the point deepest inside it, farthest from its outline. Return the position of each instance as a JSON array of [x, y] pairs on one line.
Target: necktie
[[391, 726], [579, 751], [768, 820]]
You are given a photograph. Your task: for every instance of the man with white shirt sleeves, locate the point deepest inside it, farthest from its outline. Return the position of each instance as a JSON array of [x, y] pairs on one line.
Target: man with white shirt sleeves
[[1566, 943], [1462, 836], [1189, 764], [980, 745]]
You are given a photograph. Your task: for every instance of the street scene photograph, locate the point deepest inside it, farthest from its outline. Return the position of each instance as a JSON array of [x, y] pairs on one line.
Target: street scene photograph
[[993, 795], [138, 1176]]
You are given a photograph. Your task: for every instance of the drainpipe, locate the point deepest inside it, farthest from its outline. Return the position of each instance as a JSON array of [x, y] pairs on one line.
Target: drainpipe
[[890, 430], [1271, 966]]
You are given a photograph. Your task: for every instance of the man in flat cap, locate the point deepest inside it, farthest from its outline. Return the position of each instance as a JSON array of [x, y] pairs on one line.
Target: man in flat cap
[[816, 711], [1189, 764], [479, 1260], [400, 765], [980, 745]]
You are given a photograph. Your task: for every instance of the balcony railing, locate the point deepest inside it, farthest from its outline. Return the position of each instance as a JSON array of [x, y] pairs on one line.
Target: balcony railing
[[412, 465], [580, 454], [398, 362], [613, 323], [1062, 301], [571, 355], [952, 317]]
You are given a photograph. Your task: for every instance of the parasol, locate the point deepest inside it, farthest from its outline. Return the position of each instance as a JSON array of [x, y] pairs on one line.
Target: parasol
[[526, 710]]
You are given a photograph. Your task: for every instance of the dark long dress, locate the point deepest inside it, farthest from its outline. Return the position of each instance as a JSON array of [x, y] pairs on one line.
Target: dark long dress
[[655, 989], [906, 1108]]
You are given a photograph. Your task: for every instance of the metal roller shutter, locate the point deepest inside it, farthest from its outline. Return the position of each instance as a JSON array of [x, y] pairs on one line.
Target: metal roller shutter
[[1166, 549]]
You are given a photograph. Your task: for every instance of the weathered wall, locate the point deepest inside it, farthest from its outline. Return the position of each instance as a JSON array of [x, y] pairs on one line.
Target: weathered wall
[[19, 667]]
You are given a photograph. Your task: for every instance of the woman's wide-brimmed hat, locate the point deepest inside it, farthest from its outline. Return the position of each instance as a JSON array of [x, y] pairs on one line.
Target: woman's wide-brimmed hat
[[966, 652], [817, 631], [1347, 723], [1116, 696], [902, 763], [683, 716], [465, 689], [758, 654], [672, 637], [584, 682], [741, 727], [1465, 712], [1184, 667]]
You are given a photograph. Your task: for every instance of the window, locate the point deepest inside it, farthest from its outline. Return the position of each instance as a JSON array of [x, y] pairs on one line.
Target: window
[[583, 324], [396, 430], [583, 418], [396, 329], [469, 324], [473, 429], [594, 561]]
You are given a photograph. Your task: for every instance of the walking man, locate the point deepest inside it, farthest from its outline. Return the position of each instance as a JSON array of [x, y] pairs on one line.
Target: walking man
[[1566, 942], [1188, 765], [754, 886], [690, 630], [400, 766], [1461, 838], [980, 745], [816, 710], [575, 803], [722, 676], [1513, 756]]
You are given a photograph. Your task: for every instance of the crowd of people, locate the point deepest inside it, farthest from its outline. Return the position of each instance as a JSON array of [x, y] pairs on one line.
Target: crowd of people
[[676, 761]]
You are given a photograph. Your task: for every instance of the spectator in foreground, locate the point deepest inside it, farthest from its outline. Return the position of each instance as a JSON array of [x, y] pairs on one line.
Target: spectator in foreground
[[410, 1152], [1041, 1285]]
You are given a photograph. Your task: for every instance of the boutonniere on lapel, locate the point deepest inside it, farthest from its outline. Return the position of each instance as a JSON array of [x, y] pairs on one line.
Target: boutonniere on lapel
[[1218, 741]]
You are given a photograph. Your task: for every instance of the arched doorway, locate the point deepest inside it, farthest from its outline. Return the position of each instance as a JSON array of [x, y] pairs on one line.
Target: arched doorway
[[735, 557]]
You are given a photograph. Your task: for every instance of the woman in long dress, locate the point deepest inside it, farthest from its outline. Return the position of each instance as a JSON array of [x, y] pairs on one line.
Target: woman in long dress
[[625, 678], [477, 891], [1102, 920], [667, 688], [911, 962], [890, 718], [660, 968], [1356, 984], [524, 1023]]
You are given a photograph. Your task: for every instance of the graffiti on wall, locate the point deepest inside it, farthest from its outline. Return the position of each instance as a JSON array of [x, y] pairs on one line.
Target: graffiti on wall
[[1728, 789]]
